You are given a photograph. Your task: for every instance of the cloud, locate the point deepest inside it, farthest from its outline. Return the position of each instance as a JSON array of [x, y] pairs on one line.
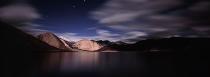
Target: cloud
[[134, 34], [18, 13], [120, 18], [32, 28], [71, 36], [21, 15], [103, 35], [106, 33], [156, 18]]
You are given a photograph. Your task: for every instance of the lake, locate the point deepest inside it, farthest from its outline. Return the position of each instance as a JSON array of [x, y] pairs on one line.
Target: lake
[[109, 64]]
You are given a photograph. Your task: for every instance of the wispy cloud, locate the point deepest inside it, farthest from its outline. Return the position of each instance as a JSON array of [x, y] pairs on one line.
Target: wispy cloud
[[21, 15], [103, 35], [32, 28], [106, 33], [156, 18], [18, 13]]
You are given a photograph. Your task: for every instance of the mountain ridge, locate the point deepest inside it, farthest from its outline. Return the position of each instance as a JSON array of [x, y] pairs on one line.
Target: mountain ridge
[[53, 40], [15, 39]]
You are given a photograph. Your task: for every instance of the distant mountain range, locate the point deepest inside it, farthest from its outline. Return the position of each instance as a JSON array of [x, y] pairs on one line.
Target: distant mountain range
[[15, 39], [174, 44]]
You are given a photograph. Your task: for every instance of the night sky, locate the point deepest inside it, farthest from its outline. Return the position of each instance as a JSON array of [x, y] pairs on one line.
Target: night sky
[[114, 20], [68, 15]]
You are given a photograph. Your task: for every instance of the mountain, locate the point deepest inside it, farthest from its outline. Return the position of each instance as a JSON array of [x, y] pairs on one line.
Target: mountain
[[104, 42], [15, 39], [87, 45], [69, 43], [54, 41], [174, 44], [82, 45]]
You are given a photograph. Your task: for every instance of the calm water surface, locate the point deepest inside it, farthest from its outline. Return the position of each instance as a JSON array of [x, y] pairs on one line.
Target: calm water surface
[[118, 64]]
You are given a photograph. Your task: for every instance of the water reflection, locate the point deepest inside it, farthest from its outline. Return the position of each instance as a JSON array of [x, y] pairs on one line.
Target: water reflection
[[66, 61], [79, 60], [99, 64], [89, 61]]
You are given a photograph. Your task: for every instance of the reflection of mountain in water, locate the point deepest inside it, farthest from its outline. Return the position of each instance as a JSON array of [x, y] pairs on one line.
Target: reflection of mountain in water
[[79, 60], [71, 61], [86, 61]]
